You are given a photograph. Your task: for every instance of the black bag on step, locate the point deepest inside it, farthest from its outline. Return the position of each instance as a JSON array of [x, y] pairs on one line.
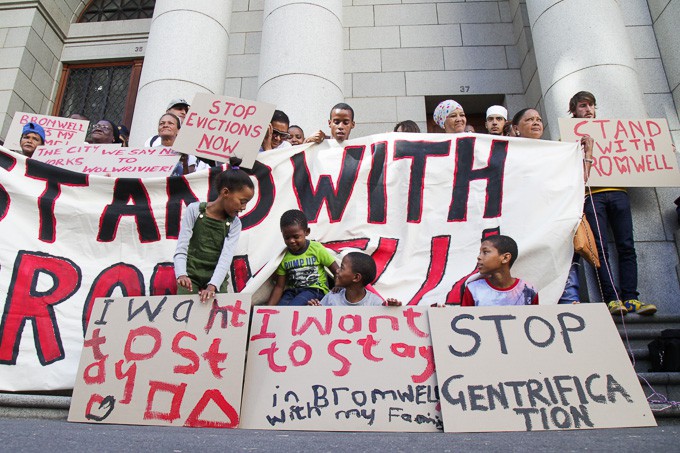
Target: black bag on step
[[664, 351]]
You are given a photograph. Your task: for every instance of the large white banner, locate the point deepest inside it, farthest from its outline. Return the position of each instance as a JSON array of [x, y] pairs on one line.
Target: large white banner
[[419, 203]]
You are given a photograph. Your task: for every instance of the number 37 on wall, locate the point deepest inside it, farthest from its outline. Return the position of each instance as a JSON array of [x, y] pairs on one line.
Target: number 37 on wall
[[464, 88]]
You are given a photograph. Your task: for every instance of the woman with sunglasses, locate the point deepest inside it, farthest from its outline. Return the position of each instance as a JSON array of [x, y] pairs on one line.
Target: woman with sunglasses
[[277, 133]]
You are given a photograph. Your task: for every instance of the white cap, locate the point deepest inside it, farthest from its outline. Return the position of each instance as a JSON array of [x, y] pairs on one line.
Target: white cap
[[497, 110]]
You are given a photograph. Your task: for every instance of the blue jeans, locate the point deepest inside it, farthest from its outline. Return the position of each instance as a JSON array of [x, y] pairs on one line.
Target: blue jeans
[[612, 209], [570, 294], [297, 297]]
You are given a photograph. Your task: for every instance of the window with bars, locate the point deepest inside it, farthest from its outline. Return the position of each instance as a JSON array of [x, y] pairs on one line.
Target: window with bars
[[105, 10], [100, 91]]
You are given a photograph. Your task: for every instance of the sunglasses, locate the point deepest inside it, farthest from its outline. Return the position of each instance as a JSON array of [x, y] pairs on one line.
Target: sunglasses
[[283, 135]]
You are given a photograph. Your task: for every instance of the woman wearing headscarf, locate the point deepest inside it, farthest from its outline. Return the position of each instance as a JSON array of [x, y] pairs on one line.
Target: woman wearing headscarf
[[449, 115]]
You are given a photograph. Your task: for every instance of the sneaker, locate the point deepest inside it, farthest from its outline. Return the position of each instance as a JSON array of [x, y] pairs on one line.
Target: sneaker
[[635, 306], [616, 307]]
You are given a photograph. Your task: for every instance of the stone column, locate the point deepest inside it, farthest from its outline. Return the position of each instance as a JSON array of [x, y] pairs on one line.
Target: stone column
[[584, 45], [186, 53], [301, 67]]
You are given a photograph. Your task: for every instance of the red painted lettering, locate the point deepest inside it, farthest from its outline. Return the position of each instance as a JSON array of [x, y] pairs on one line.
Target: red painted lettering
[[214, 395], [296, 330], [305, 348], [188, 354], [269, 352], [367, 344], [95, 342], [138, 333], [26, 303], [426, 353], [264, 333], [344, 369], [355, 326], [214, 357], [129, 377], [173, 412], [99, 375]]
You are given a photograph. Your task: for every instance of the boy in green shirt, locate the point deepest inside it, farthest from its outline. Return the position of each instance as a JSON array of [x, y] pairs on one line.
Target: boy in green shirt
[[301, 276]]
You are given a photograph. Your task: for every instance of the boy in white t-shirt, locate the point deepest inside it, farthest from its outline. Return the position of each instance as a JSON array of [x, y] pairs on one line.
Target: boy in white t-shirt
[[356, 271], [497, 254]]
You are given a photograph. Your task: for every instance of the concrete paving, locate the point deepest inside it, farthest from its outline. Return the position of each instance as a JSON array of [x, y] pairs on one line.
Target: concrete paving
[[33, 435]]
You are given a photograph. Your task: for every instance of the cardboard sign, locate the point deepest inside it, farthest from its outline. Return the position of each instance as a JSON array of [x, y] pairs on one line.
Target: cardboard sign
[[110, 160], [534, 368], [166, 360], [219, 127], [627, 153], [340, 369], [58, 130]]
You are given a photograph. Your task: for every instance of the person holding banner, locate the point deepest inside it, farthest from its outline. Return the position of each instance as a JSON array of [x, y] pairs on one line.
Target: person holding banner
[[407, 126], [104, 132], [168, 128], [449, 115], [178, 107], [341, 123], [277, 134], [496, 117], [32, 136], [209, 234], [296, 135], [528, 123], [610, 207]]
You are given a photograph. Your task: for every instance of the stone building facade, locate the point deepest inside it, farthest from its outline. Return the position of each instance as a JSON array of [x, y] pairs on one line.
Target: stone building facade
[[391, 60]]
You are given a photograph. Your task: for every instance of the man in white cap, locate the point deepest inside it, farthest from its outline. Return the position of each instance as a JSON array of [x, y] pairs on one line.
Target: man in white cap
[[178, 107], [496, 117]]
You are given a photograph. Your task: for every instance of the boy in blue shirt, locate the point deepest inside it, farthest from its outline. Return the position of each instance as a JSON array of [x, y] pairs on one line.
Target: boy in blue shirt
[[301, 276]]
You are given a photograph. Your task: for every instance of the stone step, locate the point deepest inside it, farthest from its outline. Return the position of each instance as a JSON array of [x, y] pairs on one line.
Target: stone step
[[663, 388], [657, 322], [13, 405], [638, 331]]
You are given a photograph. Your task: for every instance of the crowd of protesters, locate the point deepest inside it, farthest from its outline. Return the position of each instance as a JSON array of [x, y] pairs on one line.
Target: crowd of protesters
[[606, 208]]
